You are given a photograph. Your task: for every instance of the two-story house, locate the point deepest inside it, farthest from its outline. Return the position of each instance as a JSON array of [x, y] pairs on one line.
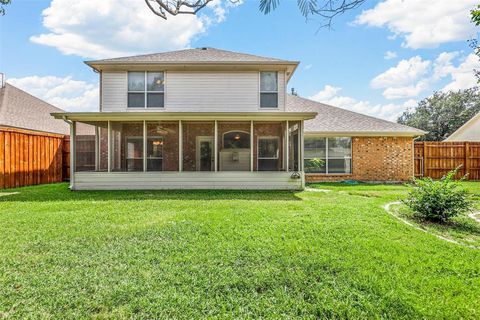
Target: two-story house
[[215, 119]]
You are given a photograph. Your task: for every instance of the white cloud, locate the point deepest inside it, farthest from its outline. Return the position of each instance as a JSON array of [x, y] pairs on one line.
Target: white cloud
[[65, 93], [401, 81], [308, 67], [463, 76], [422, 23], [390, 55], [410, 78], [329, 95], [109, 28]]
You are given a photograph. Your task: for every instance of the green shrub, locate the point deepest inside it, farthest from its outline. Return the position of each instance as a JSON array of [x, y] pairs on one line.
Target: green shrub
[[314, 164], [439, 200]]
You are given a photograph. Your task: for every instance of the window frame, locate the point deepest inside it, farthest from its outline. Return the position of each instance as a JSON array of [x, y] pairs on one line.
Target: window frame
[[327, 158], [127, 158], [266, 91], [145, 91]]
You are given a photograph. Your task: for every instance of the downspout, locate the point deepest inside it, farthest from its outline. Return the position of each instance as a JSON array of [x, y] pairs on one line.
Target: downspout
[[72, 151]]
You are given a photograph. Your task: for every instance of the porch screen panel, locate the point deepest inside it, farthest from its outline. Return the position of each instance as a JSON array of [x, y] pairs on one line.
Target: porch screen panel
[[127, 146], [198, 146], [162, 146], [269, 145], [90, 144], [293, 145], [233, 146]]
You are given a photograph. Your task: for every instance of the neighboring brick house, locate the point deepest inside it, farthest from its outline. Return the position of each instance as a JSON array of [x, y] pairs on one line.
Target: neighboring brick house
[[214, 119]]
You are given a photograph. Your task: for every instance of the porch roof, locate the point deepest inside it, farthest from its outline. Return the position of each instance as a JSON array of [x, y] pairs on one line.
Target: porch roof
[[192, 116]]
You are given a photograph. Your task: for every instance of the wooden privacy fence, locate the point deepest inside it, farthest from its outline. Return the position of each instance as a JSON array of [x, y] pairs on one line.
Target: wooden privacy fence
[[29, 158], [435, 159]]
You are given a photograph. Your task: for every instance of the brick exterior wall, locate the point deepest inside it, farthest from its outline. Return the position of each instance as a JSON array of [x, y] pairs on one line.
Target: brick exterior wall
[[376, 159]]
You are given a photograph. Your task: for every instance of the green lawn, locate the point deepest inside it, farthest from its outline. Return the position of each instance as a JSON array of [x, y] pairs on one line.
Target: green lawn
[[227, 254]]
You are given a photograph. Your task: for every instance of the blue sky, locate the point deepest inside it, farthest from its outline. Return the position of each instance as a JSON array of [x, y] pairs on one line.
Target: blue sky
[[378, 59]]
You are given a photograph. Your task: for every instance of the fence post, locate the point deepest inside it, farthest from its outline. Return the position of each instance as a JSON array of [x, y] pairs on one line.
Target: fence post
[[467, 159], [425, 160]]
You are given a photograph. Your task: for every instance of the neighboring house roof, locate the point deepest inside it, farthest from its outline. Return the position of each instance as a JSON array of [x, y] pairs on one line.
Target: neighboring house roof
[[470, 131], [21, 110], [334, 120]]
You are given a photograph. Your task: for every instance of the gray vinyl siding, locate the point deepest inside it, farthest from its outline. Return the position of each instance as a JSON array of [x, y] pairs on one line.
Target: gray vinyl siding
[[186, 180], [196, 92], [114, 91]]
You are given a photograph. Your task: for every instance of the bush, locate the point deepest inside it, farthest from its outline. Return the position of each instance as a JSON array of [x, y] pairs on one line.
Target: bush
[[439, 200]]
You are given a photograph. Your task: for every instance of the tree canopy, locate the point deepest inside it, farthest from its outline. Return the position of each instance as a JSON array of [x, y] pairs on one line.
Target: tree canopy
[[475, 16], [443, 113], [327, 10]]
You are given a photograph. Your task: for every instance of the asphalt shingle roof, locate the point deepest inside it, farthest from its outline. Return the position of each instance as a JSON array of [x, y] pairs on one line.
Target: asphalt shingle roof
[[199, 55], [21, 110], [332, 119]]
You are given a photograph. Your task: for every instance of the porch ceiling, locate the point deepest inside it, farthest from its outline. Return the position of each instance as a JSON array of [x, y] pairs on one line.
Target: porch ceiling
[[192, 116]]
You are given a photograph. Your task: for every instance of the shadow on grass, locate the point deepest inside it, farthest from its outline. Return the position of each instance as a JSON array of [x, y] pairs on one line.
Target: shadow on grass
[[60, 192]]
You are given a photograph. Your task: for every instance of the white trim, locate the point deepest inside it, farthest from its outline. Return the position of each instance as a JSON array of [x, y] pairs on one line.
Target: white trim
[[109, 147], [145, 91], [251, 146], [72, 154], [180, 146], [144, 146], [97, 149], [215, 146], [287, 149]]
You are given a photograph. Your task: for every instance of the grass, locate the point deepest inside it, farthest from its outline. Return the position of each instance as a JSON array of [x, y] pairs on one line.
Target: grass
[[227, 254]]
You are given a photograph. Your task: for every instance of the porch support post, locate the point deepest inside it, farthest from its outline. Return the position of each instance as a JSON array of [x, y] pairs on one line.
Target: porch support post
[[109, 147], [144, 146], [97, 148], [251, 145], [215, 147], [73, 129], [180, 146], [300, 154], [287, 148]]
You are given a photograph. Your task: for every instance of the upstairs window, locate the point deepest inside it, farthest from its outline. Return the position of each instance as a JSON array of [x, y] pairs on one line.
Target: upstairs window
[[268, 89], [146, 89]]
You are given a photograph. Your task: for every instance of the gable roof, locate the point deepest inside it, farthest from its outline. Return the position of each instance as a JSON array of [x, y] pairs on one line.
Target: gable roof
[[198, 58], [469, 131], [198, 55], [334, 120], [21, 110]]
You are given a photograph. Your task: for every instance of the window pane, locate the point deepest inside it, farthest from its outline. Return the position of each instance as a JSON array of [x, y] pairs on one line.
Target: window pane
[[315, 147], [136, 81], [339, 147], [268, 100], [162, 146], [155, 81], [136, 100], [155, 100], [268, 81], [313, 166], [339, 165]]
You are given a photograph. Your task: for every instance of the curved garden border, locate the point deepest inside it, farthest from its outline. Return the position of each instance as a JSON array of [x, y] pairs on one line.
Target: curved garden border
[[387, 207]]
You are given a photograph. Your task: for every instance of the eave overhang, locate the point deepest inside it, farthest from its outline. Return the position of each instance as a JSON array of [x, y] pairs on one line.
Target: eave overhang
[[288, 66], [367, 133], [187, 116]]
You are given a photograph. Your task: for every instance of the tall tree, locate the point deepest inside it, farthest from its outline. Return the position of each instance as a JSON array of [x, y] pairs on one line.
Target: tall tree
[[443, 113], [3, 3], [475, 15], [325, 9]]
